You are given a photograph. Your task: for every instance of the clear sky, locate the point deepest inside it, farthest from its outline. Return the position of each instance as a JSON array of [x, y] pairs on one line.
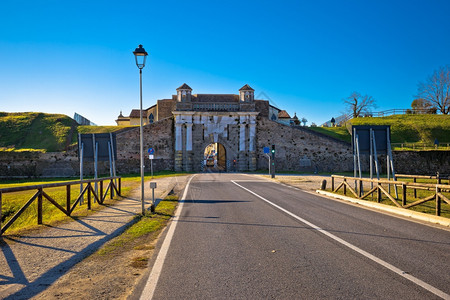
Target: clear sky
[[306, 56]]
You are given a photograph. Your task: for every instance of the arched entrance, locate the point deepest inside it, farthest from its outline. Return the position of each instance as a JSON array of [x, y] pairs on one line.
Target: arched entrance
[[215, 158]]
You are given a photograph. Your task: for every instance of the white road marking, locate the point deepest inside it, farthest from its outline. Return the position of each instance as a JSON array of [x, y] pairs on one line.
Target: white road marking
[[152, 280], [385, 264]]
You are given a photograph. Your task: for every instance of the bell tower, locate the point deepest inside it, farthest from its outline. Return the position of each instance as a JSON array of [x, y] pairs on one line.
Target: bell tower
[[246, 94], [184, 93]]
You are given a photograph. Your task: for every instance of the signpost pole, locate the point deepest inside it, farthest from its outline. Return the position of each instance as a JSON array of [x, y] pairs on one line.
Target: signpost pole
[[151, 153], [151, 166], [272, 170]]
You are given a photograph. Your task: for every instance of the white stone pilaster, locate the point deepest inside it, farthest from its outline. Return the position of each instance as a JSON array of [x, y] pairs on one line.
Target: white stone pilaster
[[241, 137], [178, 138], [188, 136], [252, 132]]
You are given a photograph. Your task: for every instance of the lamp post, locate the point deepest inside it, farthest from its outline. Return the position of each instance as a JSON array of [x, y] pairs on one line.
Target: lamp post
[[141, 55]]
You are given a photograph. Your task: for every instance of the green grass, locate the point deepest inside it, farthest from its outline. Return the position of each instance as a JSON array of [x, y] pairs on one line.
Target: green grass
[[146, 224], [412, 128], [50, 132], [340, 133], [99, 129], [12, 202], [34, 131], [404, 128]]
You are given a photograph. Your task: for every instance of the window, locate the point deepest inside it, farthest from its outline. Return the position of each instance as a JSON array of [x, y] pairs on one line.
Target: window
[[151, 118]]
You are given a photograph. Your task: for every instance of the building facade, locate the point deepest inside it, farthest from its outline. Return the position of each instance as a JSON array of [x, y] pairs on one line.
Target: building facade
[[220, 132]]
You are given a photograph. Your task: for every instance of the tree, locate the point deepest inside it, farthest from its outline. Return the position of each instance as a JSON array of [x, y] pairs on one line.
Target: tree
[[436, 90], [421, 106], [304, 121], [359, 105]]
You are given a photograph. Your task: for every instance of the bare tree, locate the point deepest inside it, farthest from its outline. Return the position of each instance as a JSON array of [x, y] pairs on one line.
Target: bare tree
[[359, 105], [436, 90]]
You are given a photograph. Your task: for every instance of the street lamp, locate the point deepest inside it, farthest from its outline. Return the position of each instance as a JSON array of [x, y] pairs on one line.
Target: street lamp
[[141, 55]]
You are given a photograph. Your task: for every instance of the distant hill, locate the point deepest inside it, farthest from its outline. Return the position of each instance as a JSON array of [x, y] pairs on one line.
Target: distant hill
[[404, 128], [42, 132]]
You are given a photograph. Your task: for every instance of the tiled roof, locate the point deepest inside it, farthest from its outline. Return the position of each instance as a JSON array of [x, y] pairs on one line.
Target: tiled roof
[[135, 113], [215, 98], [246, 88], [283, 114], [184, 87]]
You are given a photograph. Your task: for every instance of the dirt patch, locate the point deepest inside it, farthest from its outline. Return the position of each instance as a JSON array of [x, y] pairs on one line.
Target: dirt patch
[[109, 276], [304, 182]]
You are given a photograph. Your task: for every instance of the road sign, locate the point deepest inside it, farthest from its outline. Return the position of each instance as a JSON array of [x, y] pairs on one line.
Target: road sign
[[266, 150], [151, 151], [151, 156]]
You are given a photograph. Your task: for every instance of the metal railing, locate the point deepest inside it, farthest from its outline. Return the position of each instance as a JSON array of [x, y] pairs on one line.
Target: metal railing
[[98, 195]]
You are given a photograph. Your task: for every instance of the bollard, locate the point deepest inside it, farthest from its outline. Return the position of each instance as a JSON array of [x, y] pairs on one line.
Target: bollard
[[323, 186]]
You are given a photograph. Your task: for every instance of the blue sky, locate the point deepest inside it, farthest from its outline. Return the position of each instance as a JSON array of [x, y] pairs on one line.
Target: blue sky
[[306, 56]]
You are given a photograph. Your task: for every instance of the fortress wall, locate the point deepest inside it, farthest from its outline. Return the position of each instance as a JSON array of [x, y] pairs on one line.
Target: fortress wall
[[299, 149]]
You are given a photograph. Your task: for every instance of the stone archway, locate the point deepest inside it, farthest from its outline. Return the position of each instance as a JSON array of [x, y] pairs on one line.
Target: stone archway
[[215, 158]]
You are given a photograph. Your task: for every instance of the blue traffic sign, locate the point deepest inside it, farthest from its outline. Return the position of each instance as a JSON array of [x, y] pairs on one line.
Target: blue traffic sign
[[266, 150], [151, 151]]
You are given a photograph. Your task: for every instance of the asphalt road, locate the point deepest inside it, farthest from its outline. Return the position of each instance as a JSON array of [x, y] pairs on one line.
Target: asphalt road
[[242, 237]]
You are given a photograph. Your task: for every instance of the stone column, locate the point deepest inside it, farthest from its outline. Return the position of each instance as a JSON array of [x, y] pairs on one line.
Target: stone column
[[251, 148], [242, 159], [178, 147], [189, 152]]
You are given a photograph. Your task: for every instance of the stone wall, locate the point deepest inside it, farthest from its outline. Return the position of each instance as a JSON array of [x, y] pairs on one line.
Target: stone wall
[[297, 149], [36, 164], [66, 164], [158, 136], [301, 149], [422, 162], [165, 108]]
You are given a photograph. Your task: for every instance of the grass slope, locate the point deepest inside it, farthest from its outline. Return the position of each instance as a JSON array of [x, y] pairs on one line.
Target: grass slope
[[404, 128], [31, 131], [413, 128], [50, 132]]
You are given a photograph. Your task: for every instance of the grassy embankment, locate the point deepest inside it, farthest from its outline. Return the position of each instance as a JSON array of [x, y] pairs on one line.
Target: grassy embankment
[[404, 128], [12, 202], [31, 131]]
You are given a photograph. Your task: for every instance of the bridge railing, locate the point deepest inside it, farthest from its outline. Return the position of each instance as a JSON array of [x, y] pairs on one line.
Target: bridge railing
[[95, 194], [437, 192]]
